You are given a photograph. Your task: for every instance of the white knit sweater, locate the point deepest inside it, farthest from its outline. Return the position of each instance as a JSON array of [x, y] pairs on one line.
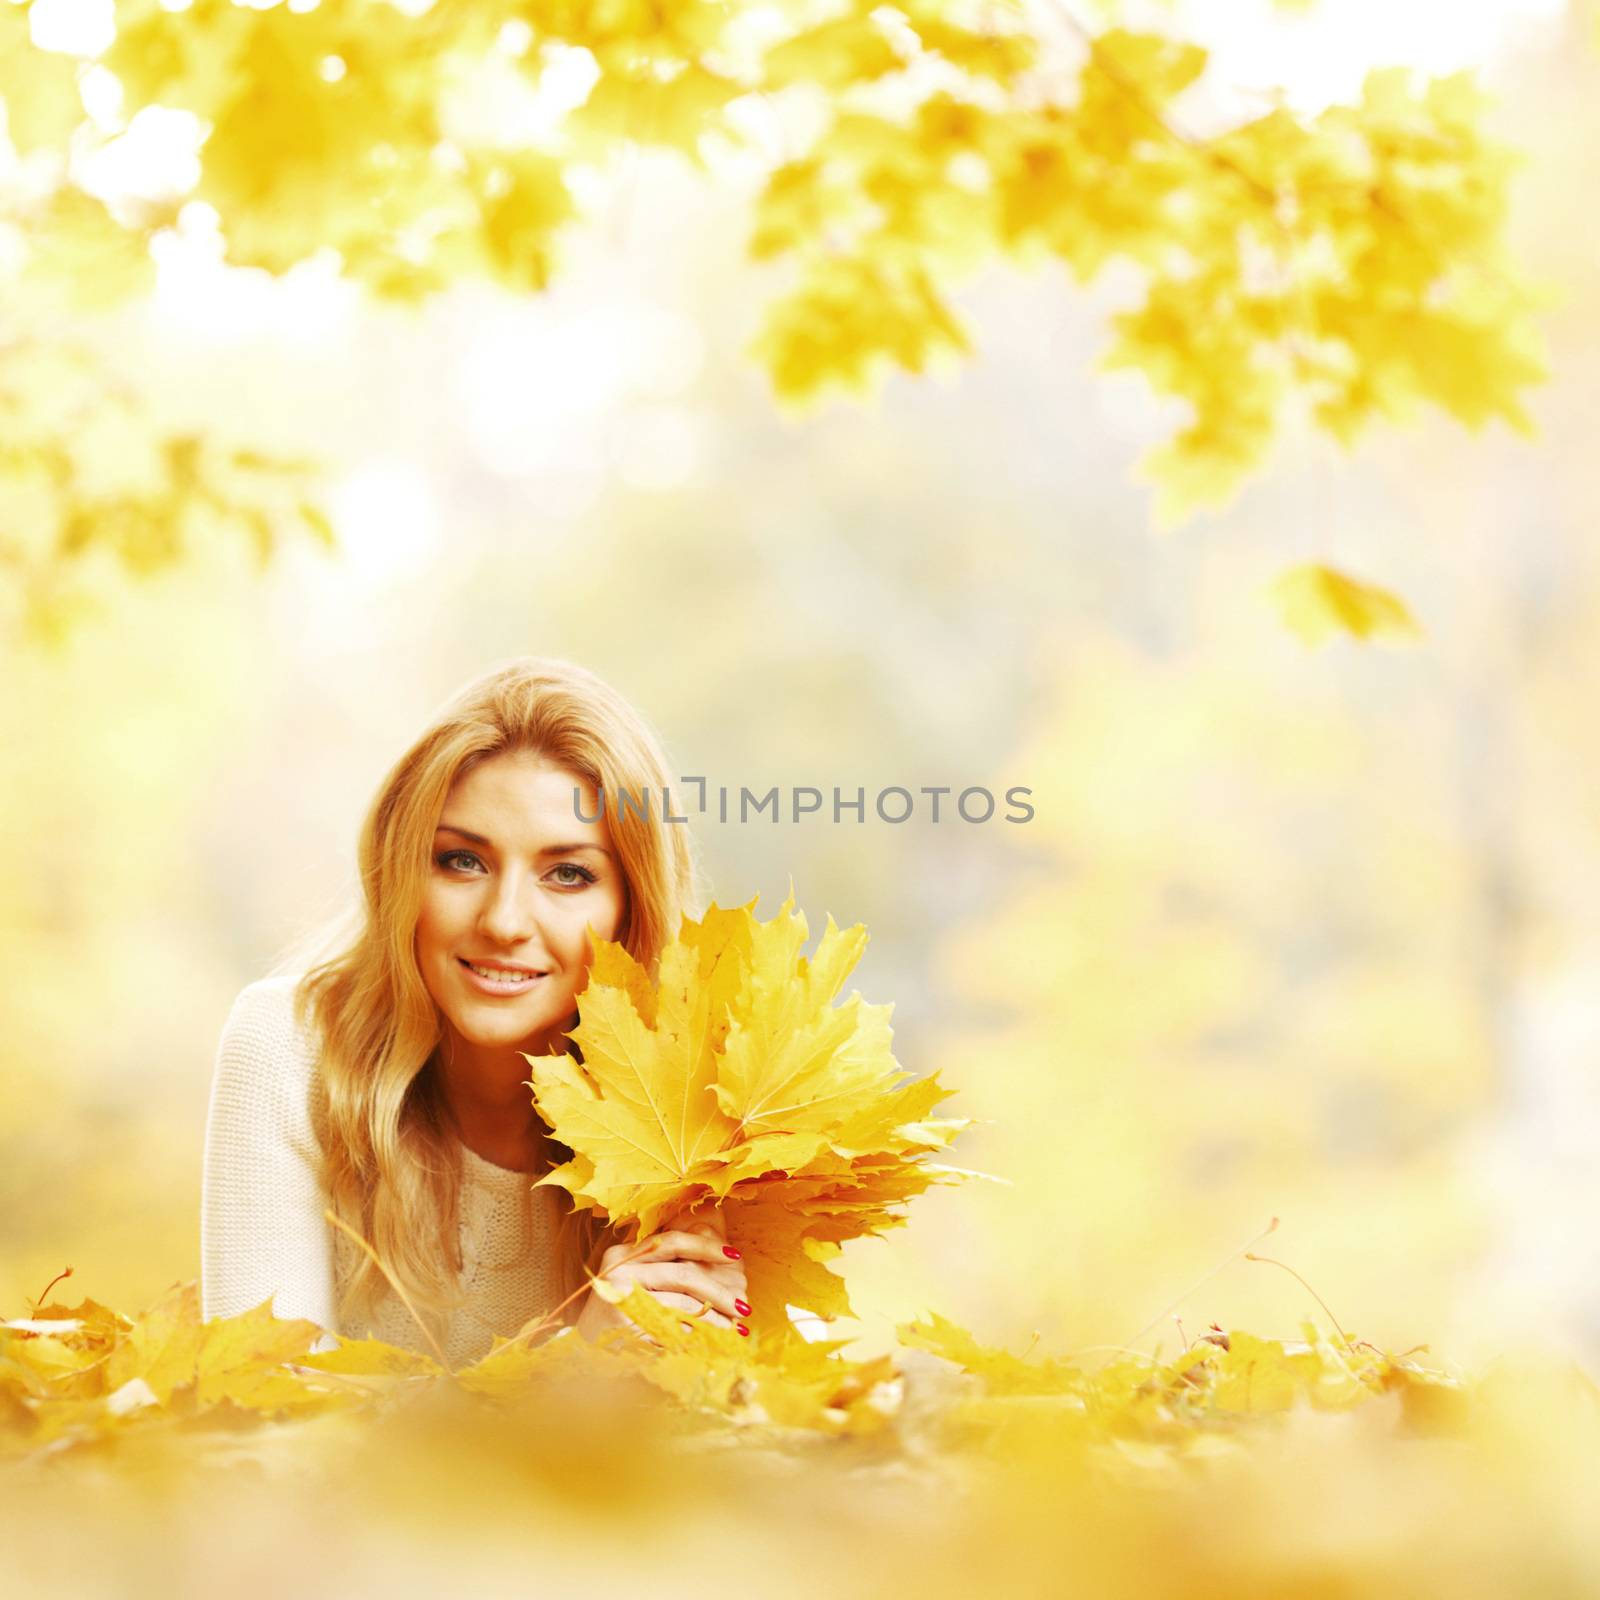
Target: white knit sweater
[[262, 1231]]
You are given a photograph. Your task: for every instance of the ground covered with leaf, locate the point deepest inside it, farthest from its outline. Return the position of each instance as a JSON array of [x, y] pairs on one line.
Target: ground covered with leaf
[[663, 1460]]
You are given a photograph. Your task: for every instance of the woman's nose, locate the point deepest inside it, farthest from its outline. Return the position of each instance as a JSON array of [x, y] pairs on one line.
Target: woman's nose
[[511, 912]]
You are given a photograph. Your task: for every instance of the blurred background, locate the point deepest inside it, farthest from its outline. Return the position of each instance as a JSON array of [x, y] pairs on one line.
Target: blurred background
[[1294, 933]]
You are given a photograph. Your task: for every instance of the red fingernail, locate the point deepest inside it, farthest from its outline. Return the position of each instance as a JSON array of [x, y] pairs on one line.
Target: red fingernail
[[730, 1252], [741, 1307], [744, 1331]]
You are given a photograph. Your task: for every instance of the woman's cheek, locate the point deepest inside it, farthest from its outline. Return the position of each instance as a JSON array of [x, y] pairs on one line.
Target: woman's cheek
[[610, 925]]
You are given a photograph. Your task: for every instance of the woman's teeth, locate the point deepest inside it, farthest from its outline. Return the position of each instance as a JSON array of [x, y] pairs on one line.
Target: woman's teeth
[[506, 980]]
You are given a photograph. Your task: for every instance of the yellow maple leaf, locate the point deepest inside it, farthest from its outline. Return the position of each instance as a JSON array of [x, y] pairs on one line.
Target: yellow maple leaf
[[372, 1358], [848, 50], [1318, 601], [237, 1359], [239, 1356], [640, 107], [848, 319], [782, 1379], [525, 200], [1001, 1373], [513, 1364], [54, 1361], [802, 201], [163, 1345], [795, 1060], [1262, 1374], [785, 1256], [986, 54], [640, 1109]]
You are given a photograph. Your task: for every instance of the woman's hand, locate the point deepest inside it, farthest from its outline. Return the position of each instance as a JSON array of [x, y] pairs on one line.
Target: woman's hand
[[690, 1266]]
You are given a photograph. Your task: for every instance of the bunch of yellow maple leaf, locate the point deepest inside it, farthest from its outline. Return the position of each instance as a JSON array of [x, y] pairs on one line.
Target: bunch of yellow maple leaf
[[736, 1082]]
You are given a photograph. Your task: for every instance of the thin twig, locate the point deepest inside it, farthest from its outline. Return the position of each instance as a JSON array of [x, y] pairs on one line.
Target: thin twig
[[1273, 1262], [1166, 1310], [531, 1330], [394, 1284]]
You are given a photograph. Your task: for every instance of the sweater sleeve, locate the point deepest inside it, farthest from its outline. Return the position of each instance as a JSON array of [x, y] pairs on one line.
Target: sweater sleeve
[[262, 1231]]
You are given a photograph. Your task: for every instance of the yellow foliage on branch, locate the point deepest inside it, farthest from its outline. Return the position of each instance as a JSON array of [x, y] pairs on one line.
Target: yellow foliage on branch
[[1349, 262]]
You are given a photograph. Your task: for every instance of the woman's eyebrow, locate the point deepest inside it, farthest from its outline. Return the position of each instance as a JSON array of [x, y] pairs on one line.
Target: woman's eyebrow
[[462, 833], [549, 849]]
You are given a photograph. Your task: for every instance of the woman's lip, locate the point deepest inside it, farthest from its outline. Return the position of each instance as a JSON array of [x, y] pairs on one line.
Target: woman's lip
[[500, 991]]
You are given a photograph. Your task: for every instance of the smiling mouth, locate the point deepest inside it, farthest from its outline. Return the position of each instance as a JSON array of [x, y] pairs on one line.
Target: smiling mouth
[[507, 978]]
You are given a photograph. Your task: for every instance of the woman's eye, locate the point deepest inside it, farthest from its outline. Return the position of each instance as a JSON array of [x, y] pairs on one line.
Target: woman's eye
[[462, 860]]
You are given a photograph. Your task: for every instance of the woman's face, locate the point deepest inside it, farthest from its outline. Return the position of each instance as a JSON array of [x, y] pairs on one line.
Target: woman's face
[[516, 880]]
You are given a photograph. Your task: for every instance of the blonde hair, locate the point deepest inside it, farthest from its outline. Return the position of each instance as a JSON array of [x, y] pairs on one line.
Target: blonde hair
[[390, 1162]]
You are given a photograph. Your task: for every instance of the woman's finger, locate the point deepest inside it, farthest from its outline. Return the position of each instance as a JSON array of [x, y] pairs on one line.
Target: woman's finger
[[688, 1278], [680, 1302], [676, 1243], [728, 1274], [728, 1278], [711, 1223], [696, 1310]]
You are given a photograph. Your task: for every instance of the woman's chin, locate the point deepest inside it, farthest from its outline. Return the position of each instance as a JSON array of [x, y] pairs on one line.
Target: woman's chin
[[504, 1027]]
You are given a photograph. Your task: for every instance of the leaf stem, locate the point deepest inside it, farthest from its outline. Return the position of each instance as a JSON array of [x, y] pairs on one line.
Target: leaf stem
[[66, 1272]]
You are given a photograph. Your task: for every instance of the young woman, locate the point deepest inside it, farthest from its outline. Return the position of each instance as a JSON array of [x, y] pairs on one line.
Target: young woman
[[386, 1082]]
